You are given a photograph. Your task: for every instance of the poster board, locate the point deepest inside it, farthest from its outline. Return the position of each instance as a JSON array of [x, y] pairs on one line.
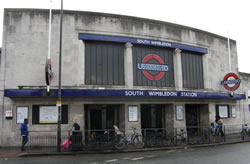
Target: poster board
[[48, 114], [132, 113], [179, 113], [233, 111], [21, 114], [223, 111]]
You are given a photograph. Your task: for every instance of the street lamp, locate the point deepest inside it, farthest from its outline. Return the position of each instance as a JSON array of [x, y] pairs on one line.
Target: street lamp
[[59, 102]]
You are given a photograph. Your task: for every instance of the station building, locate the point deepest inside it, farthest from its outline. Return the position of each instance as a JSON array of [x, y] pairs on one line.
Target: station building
[[116, 70]]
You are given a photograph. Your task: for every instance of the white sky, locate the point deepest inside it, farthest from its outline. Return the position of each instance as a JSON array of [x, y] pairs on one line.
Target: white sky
[[222, 17]]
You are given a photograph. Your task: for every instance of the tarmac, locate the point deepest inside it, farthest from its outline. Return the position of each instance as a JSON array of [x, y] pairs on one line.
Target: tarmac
[[11, 152]]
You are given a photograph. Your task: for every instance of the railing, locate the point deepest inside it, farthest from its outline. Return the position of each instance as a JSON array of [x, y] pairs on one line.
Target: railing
[[155, 137], [45, 138]]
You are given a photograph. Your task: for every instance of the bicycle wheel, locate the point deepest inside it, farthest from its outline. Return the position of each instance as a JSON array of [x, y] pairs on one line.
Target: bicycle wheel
[[178, 140], [167, 141], [212, 138], [121, 144], [192, 140], [138, 141], [200, 140]]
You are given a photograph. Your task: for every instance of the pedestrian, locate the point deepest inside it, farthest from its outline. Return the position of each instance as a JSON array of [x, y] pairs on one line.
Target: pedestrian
[[219, 122], [76, 128], [76, 137], [24, 133]]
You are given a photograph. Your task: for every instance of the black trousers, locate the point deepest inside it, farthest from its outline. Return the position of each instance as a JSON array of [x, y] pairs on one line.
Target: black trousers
[[25, 140], [221, 131]]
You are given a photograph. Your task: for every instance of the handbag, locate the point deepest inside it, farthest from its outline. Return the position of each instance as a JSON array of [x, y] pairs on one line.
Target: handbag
[[66, 144]]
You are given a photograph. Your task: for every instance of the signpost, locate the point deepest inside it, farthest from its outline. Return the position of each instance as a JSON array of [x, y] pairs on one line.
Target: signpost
[[59, 83]]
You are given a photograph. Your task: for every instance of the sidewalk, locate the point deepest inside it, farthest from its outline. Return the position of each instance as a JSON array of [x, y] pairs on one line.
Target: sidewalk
[[15, 152]]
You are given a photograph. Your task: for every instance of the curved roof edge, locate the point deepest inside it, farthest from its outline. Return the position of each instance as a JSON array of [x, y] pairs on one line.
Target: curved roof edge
[[113, 15]]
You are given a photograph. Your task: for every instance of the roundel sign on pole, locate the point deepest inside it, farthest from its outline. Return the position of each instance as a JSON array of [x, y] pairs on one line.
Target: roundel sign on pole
[[159, 67], [231, 82]]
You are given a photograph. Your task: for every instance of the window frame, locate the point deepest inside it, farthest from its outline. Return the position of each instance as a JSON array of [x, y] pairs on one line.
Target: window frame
[[64, 116]]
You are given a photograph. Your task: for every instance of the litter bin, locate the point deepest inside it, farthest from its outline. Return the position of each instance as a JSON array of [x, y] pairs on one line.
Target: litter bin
[[76, 139]]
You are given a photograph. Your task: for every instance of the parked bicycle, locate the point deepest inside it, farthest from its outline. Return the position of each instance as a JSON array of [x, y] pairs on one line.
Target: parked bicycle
[[196, 138], [180, 139], [152, 137], [209, 135], [135, 140], [167, 139], [101, 139]]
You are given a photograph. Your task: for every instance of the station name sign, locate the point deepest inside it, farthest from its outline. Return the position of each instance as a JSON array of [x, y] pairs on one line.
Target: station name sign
[[161, 93], [153, 42], [122, 39], [120, 93]]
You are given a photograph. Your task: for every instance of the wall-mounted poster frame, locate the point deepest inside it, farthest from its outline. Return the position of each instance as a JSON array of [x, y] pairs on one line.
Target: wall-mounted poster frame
[[22, 112], [223, 111], [179, 113], [48, 114], [132, 113], [233, 111]]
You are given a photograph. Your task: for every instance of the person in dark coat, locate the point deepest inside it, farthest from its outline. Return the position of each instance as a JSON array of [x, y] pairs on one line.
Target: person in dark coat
[[76, 137], [76, 128], [24, 133]]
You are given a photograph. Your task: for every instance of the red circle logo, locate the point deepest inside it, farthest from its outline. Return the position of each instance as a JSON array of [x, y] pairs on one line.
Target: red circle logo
[[145, 66], [231, 82]]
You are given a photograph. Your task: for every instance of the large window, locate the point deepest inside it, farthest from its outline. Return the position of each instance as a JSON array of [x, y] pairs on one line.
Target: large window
[[192, 70], [48, 114], [104, 63]]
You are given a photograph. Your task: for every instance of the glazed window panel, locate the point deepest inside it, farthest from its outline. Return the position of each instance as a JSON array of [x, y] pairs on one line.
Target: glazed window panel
[[104, 63], [153, 66], [192, 70]]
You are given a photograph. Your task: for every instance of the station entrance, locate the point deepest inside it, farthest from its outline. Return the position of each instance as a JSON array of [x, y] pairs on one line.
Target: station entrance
[[197, 116], [100, 117], [152, 116]]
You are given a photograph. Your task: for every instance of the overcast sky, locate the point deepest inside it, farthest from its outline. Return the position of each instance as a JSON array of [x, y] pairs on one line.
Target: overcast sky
[[223, 17]]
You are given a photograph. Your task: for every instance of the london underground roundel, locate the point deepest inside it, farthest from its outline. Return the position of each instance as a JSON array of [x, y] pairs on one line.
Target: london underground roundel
[[48, 72], [148, 67], [231, 82]]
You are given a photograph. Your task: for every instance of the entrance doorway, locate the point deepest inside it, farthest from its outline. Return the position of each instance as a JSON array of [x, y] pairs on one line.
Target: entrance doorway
[[100, 117], [197, 116], [152, 116]]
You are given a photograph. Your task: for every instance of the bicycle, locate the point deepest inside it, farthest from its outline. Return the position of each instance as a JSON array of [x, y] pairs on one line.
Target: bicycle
[[152, 137], [180, 139], [136, 139], [167, 139], [196, 138], [245, 131], [209, 135], [101, 139]]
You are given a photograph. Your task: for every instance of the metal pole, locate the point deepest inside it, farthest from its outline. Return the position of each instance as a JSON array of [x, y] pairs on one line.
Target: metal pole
[[229, 53], [49, 40], [59, 83]]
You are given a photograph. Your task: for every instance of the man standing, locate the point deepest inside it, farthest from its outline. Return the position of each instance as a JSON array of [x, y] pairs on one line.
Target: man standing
[[24, 133]]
